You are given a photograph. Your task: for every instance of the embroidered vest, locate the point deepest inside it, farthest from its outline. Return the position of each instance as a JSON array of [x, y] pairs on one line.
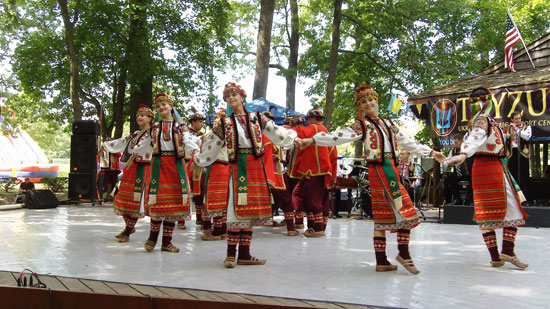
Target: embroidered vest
[[373, 138], [177, 139], [494, 145], [253, 127]]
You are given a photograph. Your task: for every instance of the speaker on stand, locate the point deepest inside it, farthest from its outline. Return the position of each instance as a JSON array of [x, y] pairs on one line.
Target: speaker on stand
[[83, 182]]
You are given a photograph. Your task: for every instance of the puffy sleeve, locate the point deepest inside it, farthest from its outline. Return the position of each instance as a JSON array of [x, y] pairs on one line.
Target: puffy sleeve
[[117, 145], [339, 137], [190, 145], [279, 135], [411, 145], [475, 138], [526, 134], [144, 146], [210, 151]]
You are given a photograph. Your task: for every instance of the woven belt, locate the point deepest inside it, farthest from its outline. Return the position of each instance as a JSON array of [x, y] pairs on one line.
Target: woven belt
[[167, 153], [388, 155], [245, 151]]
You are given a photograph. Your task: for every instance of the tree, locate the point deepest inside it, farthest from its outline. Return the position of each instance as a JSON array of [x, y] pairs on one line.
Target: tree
[[74, 65], [109, 60], [263, 48], [333, 62]]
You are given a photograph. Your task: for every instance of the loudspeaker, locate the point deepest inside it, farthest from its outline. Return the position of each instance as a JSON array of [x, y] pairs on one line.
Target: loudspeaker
[[83, 153], [82, 186], [85, 127], [40, 199]]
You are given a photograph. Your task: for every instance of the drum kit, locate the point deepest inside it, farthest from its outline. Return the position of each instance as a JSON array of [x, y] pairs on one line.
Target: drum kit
[[357, 179]]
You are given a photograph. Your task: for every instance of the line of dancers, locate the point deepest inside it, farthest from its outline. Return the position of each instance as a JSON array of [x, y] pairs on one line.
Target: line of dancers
[[235, 173]]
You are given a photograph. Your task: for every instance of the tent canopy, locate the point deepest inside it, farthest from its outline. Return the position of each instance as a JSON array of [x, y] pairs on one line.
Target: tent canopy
[[261, 104]]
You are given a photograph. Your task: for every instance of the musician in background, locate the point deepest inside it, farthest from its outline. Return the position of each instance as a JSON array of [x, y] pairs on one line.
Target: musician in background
[[517, 152], [409, 176], [460, 173]]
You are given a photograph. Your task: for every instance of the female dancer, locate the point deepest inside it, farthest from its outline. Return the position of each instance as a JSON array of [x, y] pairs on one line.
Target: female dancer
[[392, 206], [131, 197], [217, 178], [169, 191], [497, 197], [249, 198]]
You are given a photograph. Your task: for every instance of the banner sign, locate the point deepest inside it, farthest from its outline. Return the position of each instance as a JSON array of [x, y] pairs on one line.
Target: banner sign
[[449, 116]]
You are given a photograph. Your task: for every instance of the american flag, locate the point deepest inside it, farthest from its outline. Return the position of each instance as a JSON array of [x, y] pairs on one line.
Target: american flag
[[512, 38]]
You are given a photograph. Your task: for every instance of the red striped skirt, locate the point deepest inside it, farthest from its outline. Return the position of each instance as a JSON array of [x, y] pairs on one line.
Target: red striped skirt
[[489, 186], [383, 208], [169, 205], [217, 188], [124, 203], [258, 199]]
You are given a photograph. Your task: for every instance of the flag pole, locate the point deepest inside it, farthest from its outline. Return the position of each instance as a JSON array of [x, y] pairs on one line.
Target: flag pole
[[520, 37]]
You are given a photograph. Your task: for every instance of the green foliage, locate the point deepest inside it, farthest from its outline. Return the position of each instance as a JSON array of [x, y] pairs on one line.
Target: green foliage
[[56, 184], [184, 37], [408, 46], [423, 136], [9, 183]]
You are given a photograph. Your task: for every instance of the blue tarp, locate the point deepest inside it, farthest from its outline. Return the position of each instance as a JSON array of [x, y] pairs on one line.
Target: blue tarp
[[261, 104]]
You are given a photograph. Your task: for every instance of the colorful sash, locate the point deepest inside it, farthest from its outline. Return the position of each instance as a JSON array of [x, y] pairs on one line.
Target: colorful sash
[[390, 181], [242, 176], [250, 183], [138, 184], [156, 176]]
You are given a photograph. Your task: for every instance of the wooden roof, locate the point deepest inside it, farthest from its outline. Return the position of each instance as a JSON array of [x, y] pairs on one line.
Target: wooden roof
[[496, 76]]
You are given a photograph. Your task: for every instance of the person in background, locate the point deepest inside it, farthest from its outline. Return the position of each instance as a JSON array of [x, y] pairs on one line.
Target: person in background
[[517, 152], [407, 171], [26, 186]]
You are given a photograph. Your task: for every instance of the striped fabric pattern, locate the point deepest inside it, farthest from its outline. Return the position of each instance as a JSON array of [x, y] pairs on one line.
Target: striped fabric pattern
[[490, 202], [383, 215], [169, 205], [217, 188], [124, 201], [258, 204]]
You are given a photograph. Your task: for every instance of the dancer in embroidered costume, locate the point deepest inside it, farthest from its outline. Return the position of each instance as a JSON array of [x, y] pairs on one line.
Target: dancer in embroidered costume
[[249, 197], [132, 194], [196, 175], [169, 191], [217, 178], [497, 197], [313, 166], [392, 206]]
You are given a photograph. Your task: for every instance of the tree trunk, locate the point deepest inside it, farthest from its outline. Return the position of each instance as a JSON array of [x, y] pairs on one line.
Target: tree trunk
[[74, 83], [333, 63], [263, 48], [118, 104], [294, 40], [140, 64]]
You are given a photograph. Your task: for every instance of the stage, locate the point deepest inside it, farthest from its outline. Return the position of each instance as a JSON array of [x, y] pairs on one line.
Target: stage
[[78, 242]]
